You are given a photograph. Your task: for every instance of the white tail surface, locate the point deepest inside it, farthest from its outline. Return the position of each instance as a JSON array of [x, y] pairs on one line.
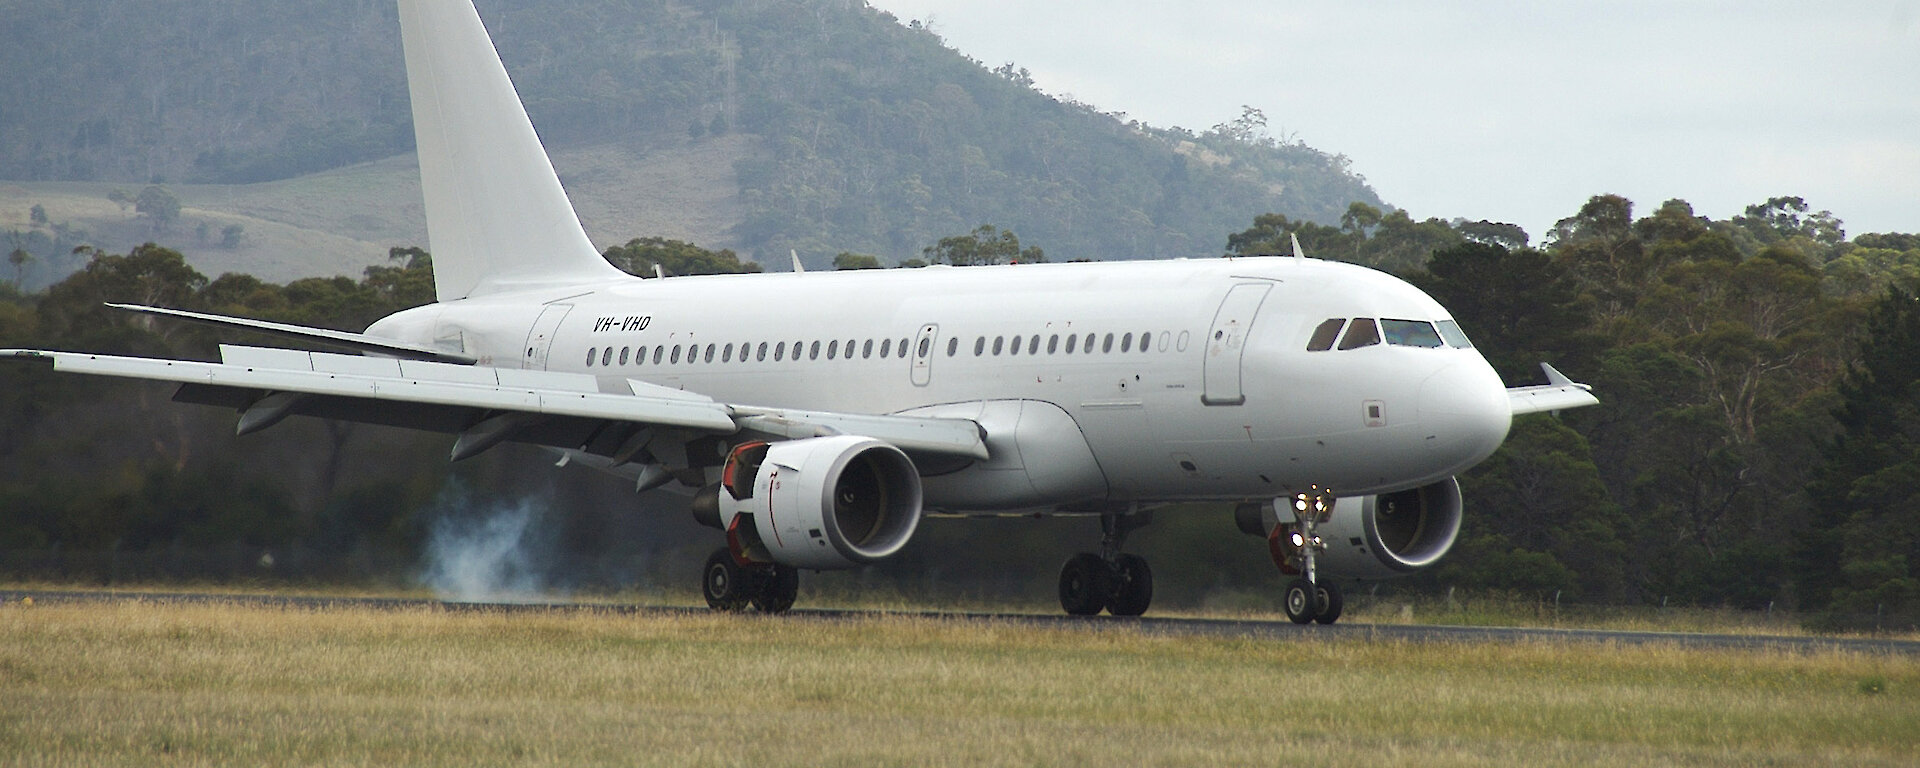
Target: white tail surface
[[497, 217]]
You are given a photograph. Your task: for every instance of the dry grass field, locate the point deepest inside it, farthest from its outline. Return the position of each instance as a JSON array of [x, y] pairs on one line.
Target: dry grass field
[[142, 683]]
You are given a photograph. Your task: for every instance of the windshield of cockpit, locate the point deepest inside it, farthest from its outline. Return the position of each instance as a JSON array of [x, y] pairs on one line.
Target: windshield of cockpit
[[1367, 331]]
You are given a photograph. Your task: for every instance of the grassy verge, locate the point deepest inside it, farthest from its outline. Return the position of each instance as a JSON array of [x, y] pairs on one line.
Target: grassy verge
[[136, 683]]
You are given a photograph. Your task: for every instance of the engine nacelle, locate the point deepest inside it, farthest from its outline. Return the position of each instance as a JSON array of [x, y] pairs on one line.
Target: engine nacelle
[[821, 503], [1392, 534]]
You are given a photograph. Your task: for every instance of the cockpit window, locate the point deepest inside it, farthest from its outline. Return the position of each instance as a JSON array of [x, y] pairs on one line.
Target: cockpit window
[[1455, 337], [1410, 333], [1324, 335], [1361, 333]]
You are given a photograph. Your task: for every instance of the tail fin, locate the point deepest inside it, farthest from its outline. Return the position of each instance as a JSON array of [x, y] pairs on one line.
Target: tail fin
[[497, 217]]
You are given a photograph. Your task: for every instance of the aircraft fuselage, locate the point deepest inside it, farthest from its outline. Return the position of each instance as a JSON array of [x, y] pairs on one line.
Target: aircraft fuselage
[[1109, 382]]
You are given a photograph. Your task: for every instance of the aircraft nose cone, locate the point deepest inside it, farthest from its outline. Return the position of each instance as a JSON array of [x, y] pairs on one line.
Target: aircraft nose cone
[[1464, 410]]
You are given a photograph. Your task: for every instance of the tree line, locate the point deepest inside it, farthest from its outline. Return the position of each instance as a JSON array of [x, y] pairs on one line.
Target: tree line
[[1756, 443]]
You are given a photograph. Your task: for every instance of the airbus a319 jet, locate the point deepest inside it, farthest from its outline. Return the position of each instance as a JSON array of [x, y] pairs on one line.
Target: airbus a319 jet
[[815, 418]]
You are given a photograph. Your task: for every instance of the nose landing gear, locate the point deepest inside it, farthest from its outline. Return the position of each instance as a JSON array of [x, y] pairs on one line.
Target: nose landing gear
[[1295, 549], [1117, 582]]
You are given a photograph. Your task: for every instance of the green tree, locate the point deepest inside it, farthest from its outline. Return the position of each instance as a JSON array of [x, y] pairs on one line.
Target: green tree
[[1600, 249], [37, 215], [19, 258], [674, 257], [1508, 236], [159, 205], [850, 260], [1521, 308], [1869, 485], [1542, 521], [986, 244]]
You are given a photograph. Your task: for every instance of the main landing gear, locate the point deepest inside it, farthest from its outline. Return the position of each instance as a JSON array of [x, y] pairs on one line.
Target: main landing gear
[[1117, 582], [1295, 548], [730, 586]]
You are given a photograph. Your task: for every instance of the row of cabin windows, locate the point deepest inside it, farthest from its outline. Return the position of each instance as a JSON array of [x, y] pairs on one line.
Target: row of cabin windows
[[1012, 345], [1366, 332], [694, 353]]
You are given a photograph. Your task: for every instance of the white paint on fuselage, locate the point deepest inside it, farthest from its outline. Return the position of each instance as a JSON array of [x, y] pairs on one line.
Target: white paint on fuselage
[[1303, 420]]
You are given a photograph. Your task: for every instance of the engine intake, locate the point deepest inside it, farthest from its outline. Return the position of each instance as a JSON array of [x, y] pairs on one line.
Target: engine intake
[[821, 503], [1392, 534]]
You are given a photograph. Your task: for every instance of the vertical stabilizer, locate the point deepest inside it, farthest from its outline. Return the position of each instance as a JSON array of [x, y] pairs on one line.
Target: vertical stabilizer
[[497, 218]]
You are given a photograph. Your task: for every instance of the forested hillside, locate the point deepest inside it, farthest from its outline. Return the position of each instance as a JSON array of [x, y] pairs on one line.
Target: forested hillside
[[867, 134], [1757, 444]]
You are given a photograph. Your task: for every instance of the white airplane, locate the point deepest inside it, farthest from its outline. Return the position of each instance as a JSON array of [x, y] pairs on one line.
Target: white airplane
[[816, 417]]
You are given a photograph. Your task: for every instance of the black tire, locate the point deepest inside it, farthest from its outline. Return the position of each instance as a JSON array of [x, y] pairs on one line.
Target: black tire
[[1328, 602], [1132, 586], [778, 587], [726, 585], [1299, 602], [1085, 583]]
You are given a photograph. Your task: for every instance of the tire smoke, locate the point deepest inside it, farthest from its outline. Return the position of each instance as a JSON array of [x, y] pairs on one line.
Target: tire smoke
[[489, 551]]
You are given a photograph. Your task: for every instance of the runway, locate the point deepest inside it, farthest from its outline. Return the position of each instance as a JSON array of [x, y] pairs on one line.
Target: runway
[[1248, 628]]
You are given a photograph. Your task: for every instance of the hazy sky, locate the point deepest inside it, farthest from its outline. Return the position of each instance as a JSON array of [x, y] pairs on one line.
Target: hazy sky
[[1511, 111]]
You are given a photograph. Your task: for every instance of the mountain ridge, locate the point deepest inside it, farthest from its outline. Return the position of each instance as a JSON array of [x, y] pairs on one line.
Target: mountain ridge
[[837, 127]]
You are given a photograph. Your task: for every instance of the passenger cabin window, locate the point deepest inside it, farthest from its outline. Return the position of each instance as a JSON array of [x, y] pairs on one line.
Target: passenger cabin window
[[1362, 333], [953, 346], [1455, 337], [1324, 335], [591, 354], [1410, 333]]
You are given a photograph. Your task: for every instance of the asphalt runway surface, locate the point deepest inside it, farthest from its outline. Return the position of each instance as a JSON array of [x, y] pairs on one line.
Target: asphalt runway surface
[[1249, 628]]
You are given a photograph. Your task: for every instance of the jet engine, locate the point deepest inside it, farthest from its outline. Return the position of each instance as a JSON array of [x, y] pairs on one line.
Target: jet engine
[[821, 503], [1392, 534]]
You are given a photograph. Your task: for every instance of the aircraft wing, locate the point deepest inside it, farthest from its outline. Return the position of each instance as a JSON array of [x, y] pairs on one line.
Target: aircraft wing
[[358, 342], [487, 406], [1559, 392]]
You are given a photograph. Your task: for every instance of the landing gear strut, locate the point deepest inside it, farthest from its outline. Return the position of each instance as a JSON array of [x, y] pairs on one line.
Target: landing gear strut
[[730, 586], [1307, 599], [1112, 580]]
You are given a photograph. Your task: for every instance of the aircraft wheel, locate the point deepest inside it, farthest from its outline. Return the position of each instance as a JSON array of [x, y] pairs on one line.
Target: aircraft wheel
[[1328, 603], [1084, 584], [1300, 603], [726, 585], [1132, 586], [778, 588]]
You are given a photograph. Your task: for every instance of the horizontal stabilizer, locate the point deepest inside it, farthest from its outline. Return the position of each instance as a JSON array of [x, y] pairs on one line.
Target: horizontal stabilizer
[[1558, 393]]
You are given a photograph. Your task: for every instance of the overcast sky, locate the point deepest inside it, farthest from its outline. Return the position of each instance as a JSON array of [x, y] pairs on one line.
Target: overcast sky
[[1511, 111]]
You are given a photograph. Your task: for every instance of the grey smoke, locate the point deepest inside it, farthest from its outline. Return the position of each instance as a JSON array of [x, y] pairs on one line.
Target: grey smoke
[[490, 551]]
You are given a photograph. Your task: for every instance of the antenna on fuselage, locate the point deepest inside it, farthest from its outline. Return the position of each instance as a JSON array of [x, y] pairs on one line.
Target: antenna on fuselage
[[1297, 253], [795, 255]]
